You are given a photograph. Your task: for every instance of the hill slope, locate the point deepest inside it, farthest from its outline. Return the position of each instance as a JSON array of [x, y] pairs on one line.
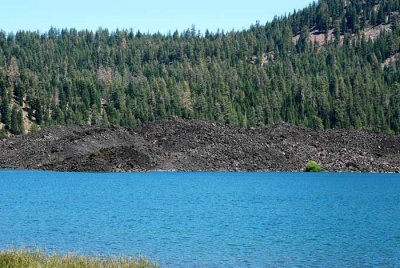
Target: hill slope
[[330, 65], [199, 145]]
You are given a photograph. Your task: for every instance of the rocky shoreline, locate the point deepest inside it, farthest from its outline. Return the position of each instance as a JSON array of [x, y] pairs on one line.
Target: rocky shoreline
[[193, 145]]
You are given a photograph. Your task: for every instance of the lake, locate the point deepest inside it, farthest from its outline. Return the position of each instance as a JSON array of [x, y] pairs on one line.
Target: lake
[[207, 219]]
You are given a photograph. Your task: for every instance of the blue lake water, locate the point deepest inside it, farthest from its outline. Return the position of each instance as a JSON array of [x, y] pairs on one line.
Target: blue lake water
[[207, 219]]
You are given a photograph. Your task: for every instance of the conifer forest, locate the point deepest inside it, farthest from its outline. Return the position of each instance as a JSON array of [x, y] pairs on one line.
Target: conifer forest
[[334, 64]]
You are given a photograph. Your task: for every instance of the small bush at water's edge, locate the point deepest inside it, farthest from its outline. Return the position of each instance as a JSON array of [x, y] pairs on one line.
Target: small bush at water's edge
[[313, 166]]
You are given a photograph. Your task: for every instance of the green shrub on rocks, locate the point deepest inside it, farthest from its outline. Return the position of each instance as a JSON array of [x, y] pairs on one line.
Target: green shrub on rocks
[[313, 166], [3, 134], [35, 127]]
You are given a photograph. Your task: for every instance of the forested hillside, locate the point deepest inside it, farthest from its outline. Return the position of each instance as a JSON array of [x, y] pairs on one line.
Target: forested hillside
[[333, 64]]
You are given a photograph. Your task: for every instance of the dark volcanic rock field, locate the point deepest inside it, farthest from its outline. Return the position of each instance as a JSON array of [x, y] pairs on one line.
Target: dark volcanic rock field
[[199, 145]]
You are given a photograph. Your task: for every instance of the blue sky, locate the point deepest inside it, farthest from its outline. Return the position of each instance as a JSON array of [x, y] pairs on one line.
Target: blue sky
[[143, 15]]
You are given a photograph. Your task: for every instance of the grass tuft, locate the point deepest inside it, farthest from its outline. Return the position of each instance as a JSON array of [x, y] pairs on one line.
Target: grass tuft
[[32, 259]]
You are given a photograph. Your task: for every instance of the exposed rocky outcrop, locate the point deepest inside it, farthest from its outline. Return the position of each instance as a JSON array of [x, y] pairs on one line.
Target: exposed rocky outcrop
[[199, 145]]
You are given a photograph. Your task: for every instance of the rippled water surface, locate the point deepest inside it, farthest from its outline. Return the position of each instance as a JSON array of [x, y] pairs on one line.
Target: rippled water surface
[[207, 219]]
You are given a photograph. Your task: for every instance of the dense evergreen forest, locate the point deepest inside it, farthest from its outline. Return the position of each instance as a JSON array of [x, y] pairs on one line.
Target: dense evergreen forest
[[331, 65]]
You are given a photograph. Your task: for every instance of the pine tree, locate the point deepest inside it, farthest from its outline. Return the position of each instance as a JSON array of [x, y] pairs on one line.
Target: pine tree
[[5, 109], [17, 123]]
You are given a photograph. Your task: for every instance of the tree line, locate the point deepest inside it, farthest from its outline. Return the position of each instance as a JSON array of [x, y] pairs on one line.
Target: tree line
[[254, 77]]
